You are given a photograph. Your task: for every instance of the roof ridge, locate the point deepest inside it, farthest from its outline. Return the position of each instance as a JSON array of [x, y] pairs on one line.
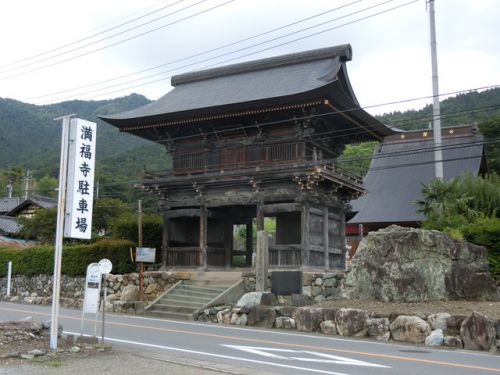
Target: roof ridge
[[343, 52]]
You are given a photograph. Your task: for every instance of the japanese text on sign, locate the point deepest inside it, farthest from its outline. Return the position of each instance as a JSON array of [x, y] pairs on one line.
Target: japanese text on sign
[[81, 162]]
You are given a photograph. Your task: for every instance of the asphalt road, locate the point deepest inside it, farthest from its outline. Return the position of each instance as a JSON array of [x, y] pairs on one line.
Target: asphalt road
[[265, 351]]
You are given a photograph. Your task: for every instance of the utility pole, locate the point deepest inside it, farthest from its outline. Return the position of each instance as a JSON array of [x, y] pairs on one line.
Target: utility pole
[[139, 244], [436, 110], [9, 189], [27, 184]]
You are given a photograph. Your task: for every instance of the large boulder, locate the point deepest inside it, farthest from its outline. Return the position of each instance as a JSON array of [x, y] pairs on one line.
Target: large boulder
[[439, 321], [414, 265], [378, 328], [257, 298], [410, 329], [261, 316], [351, 322], [436, 338], [130, 293], [453, 324], [308, 319], [478, 332]]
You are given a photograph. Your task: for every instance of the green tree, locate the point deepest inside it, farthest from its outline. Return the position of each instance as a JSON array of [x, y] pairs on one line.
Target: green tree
[[105, 213], [466, 207], [491, 130], [46, 186], [41, 227]]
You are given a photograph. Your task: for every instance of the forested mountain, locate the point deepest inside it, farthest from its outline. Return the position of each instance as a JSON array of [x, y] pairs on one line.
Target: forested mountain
[[28, 132], [30, 138], [462, 109]]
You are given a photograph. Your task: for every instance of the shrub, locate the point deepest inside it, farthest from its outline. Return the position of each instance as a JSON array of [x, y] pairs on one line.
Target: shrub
[[75, 258], [152, 225], [485, 231]]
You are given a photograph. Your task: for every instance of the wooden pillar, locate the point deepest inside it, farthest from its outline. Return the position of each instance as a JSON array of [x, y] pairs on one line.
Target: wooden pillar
[[342, 238], [326, 239], [203, 237], [228, 242], [305, 235], [249, 243], [165, 239], [261, 261], [260, 217]]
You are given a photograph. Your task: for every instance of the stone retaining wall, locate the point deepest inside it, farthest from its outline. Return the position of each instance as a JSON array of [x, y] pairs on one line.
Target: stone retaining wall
[[475, 332]]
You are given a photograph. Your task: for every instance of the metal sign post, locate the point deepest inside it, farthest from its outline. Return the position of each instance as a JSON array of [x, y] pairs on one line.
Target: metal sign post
[[56, 284], [76, 179]]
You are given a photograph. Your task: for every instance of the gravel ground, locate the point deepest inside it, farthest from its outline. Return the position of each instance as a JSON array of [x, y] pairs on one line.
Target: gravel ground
[[122, 362]]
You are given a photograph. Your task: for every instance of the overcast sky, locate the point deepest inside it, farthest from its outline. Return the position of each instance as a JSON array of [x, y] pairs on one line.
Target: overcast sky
[[391, 54]]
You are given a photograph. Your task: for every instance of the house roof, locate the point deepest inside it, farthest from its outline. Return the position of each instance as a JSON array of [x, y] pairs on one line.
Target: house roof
[[400, 166], [7, 204], [10, 206], [9, 225], [16, 242], [288, 79]]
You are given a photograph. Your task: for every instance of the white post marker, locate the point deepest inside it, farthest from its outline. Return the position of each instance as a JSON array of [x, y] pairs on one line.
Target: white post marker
[[105, 266], [9, 274]]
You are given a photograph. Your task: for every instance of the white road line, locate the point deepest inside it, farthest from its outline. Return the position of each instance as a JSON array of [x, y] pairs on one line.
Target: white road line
[[239, 359]]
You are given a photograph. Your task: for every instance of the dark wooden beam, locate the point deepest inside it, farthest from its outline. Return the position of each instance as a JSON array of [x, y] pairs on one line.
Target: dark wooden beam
[[203, 237], [228, 242], [249, 243], [165, 239], [281, 208], [260, 217], [305, 235], [326, 238]]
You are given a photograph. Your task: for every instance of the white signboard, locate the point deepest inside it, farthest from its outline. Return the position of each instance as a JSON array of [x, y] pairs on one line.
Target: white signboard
[[80, 181], [105, 265], [145, 254], [92, 289]]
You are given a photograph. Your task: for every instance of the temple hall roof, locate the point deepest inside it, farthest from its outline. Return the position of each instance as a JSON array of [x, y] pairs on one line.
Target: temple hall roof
[[316, 76], [402, 163]]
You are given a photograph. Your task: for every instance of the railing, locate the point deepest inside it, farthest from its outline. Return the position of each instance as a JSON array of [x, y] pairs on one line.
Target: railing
[[191, 256], [283, 256], [235, 157]]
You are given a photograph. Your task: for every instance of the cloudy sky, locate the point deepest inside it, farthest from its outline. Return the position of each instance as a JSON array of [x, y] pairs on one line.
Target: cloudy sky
[[57, 50]]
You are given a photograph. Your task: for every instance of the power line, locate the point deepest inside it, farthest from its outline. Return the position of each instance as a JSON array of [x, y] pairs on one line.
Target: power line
[[197, 54], [262, 50], [83, 39], [242, 49], [118, 42]]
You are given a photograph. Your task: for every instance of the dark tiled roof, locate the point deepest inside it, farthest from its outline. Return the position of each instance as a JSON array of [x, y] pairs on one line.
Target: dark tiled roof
[[246, 82], [42, 202], [287, 79], [399, 169], [9, 225], [7, 204]]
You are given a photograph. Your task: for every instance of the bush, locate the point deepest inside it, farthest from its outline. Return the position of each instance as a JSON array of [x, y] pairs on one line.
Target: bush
[[75, 258], [485, 231], [152, 225]]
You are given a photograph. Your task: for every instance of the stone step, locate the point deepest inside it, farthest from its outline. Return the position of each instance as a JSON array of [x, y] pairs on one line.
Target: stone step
[[183, 301], [170, 315], [204, 288], [193, 293], [167, 307]]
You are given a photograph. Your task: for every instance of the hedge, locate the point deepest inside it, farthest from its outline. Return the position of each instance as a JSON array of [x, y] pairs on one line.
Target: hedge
[[75, 258]]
